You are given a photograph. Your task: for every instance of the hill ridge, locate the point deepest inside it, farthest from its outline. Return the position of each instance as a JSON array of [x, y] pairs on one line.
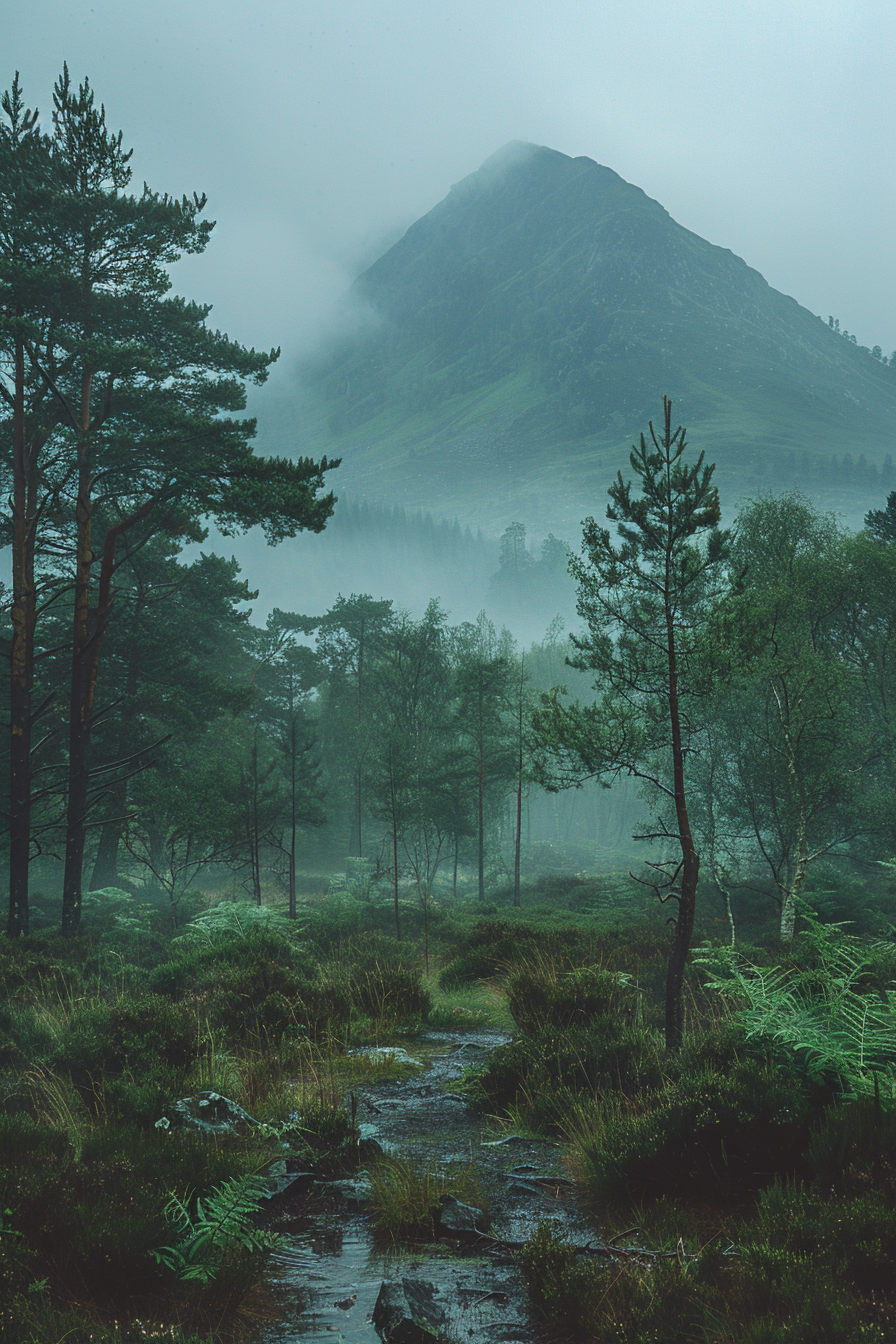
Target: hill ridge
[[529, 325]]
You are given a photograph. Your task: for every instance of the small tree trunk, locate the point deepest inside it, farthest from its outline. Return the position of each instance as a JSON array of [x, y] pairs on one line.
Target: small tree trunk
[[726, 898], [105, 867], [394, 810], [357, 843], [395, 877], [794, 887], [519, 836], [481, 825]]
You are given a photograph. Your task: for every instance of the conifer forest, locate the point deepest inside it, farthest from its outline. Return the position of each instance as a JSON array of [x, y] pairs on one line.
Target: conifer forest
[[512, 962]]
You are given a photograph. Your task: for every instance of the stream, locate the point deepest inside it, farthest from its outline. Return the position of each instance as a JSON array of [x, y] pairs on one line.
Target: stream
[[336, 1265]]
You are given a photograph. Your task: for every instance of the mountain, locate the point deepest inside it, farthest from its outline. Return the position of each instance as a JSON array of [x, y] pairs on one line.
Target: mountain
[[521, 334]]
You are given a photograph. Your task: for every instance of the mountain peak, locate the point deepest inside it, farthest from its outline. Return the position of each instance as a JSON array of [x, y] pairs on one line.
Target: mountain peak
[[533, 319]]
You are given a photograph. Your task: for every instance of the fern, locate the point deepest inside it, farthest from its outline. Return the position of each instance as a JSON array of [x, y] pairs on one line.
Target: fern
[[235, 917], [821, 1017], [211, 1229]]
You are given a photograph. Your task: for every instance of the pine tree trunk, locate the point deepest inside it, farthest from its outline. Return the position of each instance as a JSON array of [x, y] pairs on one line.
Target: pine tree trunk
[[293, 911], [690, 861], [88, 628], [105, 867], [519, 836], [23, 617], [80, 698]]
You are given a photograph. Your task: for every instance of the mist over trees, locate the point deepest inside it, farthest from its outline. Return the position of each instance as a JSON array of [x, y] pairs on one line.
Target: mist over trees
[[157, 735], [494, 805]]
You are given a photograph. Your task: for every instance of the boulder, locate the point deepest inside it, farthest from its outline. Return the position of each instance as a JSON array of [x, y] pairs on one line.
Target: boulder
[[406, 1313], [355, 1190], [208, 1112], [461, 1220]]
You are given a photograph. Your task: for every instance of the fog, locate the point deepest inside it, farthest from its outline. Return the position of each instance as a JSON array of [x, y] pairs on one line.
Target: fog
[[321, 131]]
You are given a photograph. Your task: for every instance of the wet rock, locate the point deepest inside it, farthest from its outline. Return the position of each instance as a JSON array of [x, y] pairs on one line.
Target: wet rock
[[357, 1190], [461, 1220], [208, 1112], [406, 1312], [387, 1054], [286, 1184]]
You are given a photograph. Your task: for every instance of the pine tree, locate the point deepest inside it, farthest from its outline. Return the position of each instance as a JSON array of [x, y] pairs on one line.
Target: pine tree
[[144, 394], [29, 285], [645, 598]]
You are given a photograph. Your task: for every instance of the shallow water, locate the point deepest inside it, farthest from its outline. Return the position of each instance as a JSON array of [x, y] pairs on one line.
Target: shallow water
[[336, 1265]]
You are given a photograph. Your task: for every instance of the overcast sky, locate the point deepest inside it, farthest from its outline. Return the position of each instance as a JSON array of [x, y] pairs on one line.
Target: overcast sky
[[320, 129]]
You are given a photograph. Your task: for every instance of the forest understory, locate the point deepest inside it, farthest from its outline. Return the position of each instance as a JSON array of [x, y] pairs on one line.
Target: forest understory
[[741, 1188]]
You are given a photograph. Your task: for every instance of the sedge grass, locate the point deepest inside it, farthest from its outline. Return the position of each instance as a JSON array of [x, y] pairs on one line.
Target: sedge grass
[[406, 1197]]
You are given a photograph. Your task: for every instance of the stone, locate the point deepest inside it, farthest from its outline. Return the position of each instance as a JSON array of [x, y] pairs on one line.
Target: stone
[[387, 1054], [460, 1219], [208, 1112], [406, 1313], [356, 1190], [285, 1184]]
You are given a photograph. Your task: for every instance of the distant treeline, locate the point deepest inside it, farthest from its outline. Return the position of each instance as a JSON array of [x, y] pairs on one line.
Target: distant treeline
[[818, 471], [874, 351], [438, 537]]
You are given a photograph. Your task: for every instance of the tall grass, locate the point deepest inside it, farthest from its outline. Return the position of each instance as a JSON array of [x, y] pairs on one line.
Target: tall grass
[[406, 1198]]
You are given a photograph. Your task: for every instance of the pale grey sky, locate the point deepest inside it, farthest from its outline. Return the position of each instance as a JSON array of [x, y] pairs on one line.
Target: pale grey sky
[[321, 128]]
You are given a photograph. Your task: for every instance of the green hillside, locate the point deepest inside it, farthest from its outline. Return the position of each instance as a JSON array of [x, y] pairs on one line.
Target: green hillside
[[527, 327]]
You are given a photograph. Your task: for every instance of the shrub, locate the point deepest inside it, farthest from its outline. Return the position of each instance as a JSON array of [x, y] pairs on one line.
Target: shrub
[[540, 1072], [493, 945], [540, 996], [599, 1303], [146, 1041], [701, 1133], [814, 1269], [853, 1241], [92, 1217], [853, 1150], [391, 995]]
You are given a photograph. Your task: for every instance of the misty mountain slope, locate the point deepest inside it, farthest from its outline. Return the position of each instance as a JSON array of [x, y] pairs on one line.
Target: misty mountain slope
[[527, 327]]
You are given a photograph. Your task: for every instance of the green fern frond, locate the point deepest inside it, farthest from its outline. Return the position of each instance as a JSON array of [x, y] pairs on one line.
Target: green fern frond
[[820, 1017], [238, 918], [210, 1228]]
